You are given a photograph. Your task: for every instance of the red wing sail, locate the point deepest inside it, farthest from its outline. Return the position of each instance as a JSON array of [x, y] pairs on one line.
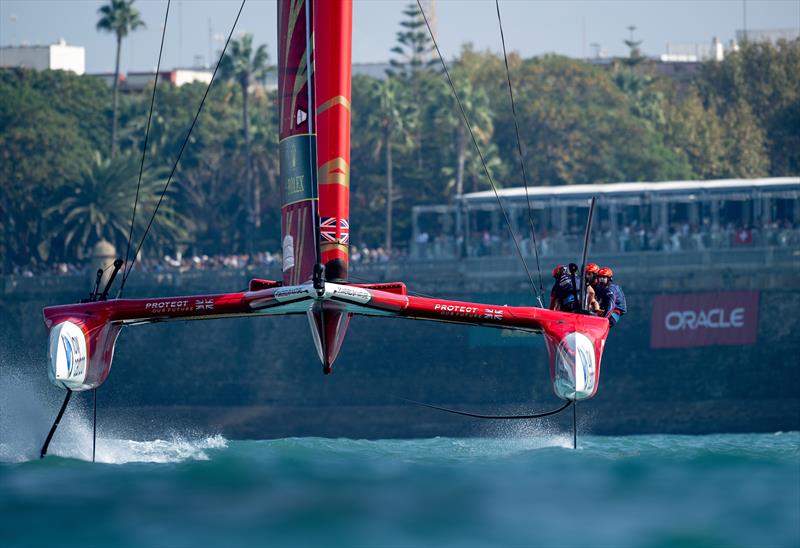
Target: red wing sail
[[298, 147], [332, 66]]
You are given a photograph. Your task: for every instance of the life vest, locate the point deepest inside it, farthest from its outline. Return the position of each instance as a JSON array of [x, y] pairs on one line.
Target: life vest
[[619, 298], [605, 296], [564, 291]]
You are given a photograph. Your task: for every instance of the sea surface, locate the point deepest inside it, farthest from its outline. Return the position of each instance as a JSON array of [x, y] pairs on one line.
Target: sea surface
[[520, 487], [520, 484]]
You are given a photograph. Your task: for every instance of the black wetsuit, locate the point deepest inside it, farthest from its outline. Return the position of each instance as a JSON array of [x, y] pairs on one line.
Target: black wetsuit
[[564, 292], [605, 297], [619, 307]]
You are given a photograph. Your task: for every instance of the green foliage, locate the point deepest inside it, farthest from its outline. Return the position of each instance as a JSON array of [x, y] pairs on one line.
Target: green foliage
[[119, 17], [98, 206], [763, 77], [242, 64], [580, 123], [414, 50]]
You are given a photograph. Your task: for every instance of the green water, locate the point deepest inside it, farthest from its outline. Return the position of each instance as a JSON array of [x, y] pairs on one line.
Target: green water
[[523, 488]]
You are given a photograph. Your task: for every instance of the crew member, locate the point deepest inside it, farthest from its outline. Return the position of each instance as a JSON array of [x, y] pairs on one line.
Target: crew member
[[615, 306], [563, 295], [591, 280]]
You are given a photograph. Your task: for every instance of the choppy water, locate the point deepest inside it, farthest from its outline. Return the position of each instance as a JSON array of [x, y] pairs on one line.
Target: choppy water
[[523, 486], [524, 489]]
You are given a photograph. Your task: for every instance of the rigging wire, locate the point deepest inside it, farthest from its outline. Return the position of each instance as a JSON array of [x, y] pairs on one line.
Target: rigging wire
[[493, 417], [180, 153], [144, 146], [480, 154], [519, 150]]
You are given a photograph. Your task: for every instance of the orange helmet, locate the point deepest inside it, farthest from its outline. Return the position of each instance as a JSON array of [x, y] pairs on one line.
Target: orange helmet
[[592, 268], [605, 272], [558, 270]]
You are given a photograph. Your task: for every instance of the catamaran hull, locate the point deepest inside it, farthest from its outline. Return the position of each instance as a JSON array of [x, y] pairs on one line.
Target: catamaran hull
[[575, 342]]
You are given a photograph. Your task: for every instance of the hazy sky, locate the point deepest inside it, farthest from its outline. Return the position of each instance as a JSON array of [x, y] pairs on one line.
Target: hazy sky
[[532, 27]]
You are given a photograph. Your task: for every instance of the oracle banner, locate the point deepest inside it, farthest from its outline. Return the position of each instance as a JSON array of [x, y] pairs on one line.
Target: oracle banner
[[704, 319]]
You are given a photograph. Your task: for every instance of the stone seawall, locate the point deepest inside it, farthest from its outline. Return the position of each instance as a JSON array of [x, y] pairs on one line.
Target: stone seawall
[[261, 378]]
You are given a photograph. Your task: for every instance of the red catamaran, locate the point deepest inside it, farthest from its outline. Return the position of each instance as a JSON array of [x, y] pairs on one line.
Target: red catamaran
[[314, 100]]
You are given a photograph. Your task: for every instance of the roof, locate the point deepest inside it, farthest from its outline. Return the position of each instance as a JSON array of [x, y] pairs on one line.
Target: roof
[[628, 189]]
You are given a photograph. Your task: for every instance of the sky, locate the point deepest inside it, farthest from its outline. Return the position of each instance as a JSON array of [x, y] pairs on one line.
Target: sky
[[197, 28]]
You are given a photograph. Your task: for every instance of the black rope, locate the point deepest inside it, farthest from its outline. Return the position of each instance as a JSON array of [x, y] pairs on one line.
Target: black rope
[[144, 146], [56, 422], [495, 417], [521, 160], [574, 427], [478, 149], [180, 153], [94, 424]]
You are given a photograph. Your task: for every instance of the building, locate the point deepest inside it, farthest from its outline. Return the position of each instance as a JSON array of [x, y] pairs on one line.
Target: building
[[633, 218], [139, 81], [58, 56], [767, 35], [693, 53]]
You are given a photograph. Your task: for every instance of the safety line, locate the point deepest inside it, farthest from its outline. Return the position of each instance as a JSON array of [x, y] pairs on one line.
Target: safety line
[[480, 154], [519, 150], [180, 153], [144, 146]]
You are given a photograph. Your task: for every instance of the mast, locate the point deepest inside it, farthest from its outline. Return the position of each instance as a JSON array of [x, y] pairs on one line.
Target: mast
[[332, 77], [314, 85]]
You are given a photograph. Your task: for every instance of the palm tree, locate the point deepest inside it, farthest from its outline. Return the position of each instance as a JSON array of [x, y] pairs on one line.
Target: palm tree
[[243, 66], [121, 18], [476, 104], [389, 122], [98, 205]]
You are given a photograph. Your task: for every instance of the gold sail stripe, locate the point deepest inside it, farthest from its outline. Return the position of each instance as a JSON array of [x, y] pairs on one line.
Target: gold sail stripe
[[298, 201], [338, 100], [334, 172], [328, 246], [296, 135]]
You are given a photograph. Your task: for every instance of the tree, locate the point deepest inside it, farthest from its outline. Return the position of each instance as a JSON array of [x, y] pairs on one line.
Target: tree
[[388, 121], [476, 104], [414, 67], [40, 148], [120, 18], [764, 76], [97, 205], [243, 66]]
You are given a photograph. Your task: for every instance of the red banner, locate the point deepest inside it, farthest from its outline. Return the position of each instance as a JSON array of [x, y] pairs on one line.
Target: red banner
[[704, 319]]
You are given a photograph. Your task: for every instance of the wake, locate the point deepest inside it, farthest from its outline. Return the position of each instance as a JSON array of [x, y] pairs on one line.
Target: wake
[[28, 408]]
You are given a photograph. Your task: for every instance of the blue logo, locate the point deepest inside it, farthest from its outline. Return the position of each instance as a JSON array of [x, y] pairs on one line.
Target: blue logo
[[68, 349]]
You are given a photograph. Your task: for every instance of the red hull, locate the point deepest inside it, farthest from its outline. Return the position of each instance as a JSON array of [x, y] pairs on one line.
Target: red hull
[[101, 321]]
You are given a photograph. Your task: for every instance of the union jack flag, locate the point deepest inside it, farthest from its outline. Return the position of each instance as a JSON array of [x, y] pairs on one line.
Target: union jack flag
[[330, 232], [493, 314]]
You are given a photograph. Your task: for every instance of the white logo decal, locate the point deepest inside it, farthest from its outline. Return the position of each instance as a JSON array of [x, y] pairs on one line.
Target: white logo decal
[[68, 355], [493, 314], [204, 304], [455, 310], [679, 320], [167, 306], [301, 116], [357, 294], [292, 293], [288, 252]]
